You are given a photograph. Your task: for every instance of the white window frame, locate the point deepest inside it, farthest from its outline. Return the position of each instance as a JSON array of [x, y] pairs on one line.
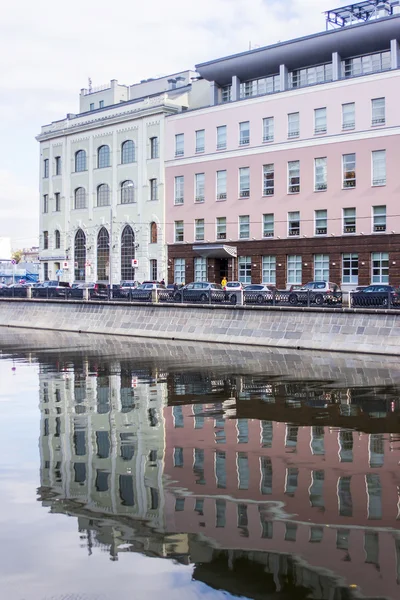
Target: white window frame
[[220, 225], [293, 174], [221, 181], [293, 223], [200, 268], [200, 141], [244, 226], [244, 182], [221, 137], [348, 116], [268, 225], [293, 124], [179, 144], [320, 174], [244, 133], [350, 271], [379, 223], [269, 269], [179, 270], [320, 120], [321, 267], [268, 179], [179, 230], [380, 267], [179, 193], [199, 230], [244, 269], [268, 129], [349, 167], [154, 147], [199, 183], [294, 269], [378, 167], [321, 221], [378, 112], [349, 216]]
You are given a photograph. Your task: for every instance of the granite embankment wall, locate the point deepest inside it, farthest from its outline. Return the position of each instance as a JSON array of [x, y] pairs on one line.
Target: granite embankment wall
[[345, 330]]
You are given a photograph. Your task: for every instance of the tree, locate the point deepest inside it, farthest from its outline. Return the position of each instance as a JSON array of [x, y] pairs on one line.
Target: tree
[[17, 255]]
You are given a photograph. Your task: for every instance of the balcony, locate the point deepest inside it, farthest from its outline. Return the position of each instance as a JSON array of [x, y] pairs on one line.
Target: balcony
[[380, 121], [294, 189], [319, 130], [179, 152], [350, 125], [199, 149], [179, 200], [221, 236], [268, 234], [293, 134], [221, 146], [379, 181], [294, 231]]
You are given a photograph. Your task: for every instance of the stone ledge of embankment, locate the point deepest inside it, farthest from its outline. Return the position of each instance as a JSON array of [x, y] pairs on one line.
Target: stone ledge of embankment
[[344, 330]]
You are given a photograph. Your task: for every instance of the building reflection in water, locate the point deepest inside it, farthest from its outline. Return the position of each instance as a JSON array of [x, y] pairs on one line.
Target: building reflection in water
[[299, 482]]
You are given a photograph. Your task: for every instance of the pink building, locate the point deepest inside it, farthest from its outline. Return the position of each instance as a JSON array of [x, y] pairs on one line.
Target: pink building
[[289, 174]]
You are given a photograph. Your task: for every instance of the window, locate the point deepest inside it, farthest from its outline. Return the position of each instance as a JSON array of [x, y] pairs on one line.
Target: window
[[178, 457], [320, 174], [127, 192], [200, 268], [153, 269], [199, 230], [256, 87], [57, 198], [153, 233], [348, 115], [226, 93], [103, 256], [199, 187], [221, 228], [349, 171], [127, 253], [310, 75], [103, 195], [80, 255], [103, 157], [221, 137], [127, 152], [153, 189], [268, 225], [80, 198], [58, 165], [80, 161], [379, 167], [46, 274], [321, 267], [319, 120], [379, 218], [269, 269], [221, 185], [179, 144], [179, 187], [294, 223], [57, 240], [200, 140], [294, 177], [179, 231], [370, 63], [244, 268], [244, 182], [266, 475], [220, 513], [101, 104], [349, 220], [91, 107], [45, 203], [293, 125], [268, 129], [220, 469], [374, 491], [294, 270], [380, 267], [244, 226], [378, 111], [178, 416], [321, 222], [268, 180], [350, 268], [154, 147], [46, 168], [45, 240], [243, 470], [179, 270], [244, 133]]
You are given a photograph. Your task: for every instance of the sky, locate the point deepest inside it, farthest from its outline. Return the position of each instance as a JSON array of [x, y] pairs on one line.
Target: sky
[[48, 50]]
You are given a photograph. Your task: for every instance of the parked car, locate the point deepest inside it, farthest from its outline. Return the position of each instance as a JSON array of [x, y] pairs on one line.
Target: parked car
[[258, 292], [232, 286], [200, 291], [96, 291], [317, 292], [376, 295], [51, 289]]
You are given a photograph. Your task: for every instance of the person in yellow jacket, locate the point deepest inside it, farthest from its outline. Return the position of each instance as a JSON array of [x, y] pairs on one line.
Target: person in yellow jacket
[[224, 282]]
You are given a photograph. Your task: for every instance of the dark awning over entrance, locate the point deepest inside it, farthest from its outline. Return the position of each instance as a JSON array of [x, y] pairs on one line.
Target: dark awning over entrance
[[215, 250]]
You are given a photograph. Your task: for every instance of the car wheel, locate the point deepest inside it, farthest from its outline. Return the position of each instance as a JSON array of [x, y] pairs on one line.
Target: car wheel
[[293, 299], [203, 298], [177, 297], [260, 299], [319, 300], [232, 299]]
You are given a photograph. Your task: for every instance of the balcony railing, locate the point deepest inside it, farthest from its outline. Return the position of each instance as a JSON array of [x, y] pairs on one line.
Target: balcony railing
[[379, 228], [380, 121], [294, 231], [268, 191], [321, 231], [221, 146], [268, 234], [379, 181], [199, 199], [221, 196], [349, 229], [268, 138], [221, 236], [320, 187], [244, 141], [179, 200], [292, 134], [179, 152], [349, 125], [321, 129], [244, 193], [199, 149]]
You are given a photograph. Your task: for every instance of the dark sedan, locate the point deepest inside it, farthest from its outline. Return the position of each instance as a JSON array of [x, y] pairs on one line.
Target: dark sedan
[[51, 289], [377, 295], [200, 291]]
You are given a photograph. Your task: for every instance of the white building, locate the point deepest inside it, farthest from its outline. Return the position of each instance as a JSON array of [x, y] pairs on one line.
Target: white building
[[102, 215]]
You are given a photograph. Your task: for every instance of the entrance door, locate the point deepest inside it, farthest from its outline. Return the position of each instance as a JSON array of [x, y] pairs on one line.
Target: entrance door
[[221, 269]]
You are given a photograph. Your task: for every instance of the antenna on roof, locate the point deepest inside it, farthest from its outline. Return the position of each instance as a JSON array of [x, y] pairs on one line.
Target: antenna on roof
[[90, 85]]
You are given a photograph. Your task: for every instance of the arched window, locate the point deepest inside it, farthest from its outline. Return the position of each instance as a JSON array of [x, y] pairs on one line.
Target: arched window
[[103, 157], [153, 233], [127, 254], [127, 192], [80, 161], [80, 198], [103, 255], [128, 152], [103, 195], [80, 255], [57, 239]]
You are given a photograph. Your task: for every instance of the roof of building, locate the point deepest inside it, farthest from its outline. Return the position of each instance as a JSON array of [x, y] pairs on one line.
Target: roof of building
[[349, 41]]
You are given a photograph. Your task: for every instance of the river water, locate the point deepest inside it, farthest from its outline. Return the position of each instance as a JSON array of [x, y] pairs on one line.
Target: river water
[[140, 470]]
